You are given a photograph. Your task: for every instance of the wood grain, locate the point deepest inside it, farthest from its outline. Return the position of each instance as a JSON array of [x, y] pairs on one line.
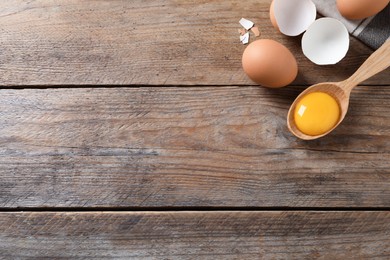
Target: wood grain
[[154, 42], [190, 147], [195, 235], [219, 142]]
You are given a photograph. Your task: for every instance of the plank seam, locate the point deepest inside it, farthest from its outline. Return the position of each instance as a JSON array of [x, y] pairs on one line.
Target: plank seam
[[200, 209], [21, 87]]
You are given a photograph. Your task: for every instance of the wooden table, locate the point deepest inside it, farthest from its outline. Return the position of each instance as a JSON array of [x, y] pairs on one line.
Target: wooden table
[[129, 130]]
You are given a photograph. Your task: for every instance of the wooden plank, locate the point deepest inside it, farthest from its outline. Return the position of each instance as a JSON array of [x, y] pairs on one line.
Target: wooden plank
[[194, 235], [212, 146], [56, 42]]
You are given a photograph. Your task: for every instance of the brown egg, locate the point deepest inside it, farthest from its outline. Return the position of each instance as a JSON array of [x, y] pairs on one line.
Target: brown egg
[[269, 63], [359, 9], [272, 16]]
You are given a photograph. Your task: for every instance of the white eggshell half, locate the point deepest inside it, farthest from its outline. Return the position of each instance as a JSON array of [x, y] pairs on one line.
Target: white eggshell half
[[326, 41], [294, 16]]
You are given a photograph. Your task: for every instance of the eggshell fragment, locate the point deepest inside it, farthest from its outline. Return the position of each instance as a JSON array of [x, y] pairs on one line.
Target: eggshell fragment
[[326, 41], [246, 23], [272, 16], [255, 31], [241, 31], [244, 38], [293, 17]]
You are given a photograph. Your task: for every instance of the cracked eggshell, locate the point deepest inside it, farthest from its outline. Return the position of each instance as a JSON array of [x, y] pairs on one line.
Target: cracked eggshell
[[272, 16], [293, 17], [326, 41]]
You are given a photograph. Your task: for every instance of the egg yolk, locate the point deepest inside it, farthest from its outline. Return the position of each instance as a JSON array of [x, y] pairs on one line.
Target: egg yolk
[[316, 113]]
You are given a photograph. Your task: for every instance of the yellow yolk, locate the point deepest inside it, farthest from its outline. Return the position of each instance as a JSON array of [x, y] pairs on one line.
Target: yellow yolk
[[316, 113]]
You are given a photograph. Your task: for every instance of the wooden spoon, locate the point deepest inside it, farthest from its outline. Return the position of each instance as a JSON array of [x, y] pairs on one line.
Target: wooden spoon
[[377, 62]]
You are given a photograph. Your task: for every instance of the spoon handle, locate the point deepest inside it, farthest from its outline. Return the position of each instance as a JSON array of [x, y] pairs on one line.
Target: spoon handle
[[377, 62]]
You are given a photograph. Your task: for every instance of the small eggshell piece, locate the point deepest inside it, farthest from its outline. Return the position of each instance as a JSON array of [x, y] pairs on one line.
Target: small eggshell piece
[[241, 31], [255, 31], [293, 17], [360, 9], [244, 38], [269, 63], [246, 23], [326, 41]]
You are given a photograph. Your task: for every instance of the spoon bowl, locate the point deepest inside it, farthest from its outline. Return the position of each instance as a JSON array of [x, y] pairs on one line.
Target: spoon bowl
[[334, 90], [340, 91]]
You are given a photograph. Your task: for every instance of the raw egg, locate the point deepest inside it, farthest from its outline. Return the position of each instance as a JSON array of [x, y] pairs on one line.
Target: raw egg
[[359, 9], [316, 113], [269, 63]]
